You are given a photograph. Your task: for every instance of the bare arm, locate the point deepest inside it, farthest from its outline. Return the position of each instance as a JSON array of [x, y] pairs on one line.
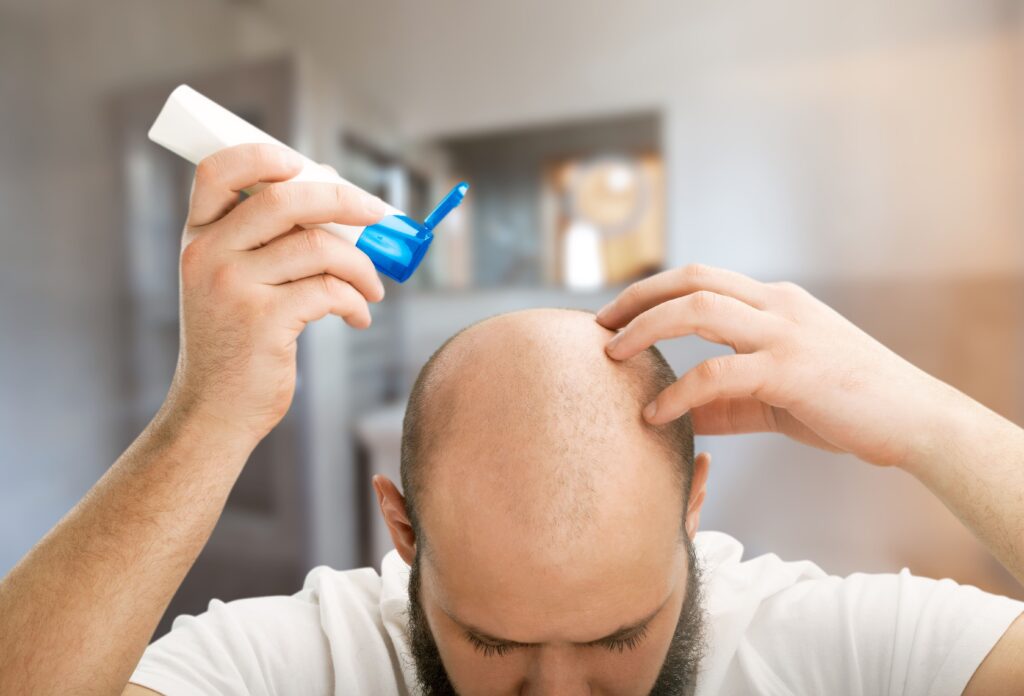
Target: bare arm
[[80, 608], [77, 612], [977, 470], [975, 465], [803, 370]]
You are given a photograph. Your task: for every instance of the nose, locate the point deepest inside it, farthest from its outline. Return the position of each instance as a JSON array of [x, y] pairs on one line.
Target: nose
[[557, 671]]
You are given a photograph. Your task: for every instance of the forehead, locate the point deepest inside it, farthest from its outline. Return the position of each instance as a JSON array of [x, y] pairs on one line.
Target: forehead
[[557, 555], [581, 594]]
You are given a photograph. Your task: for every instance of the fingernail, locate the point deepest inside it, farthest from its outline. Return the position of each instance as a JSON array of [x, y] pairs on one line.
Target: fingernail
[[650, 410], [291, 158], [604, 310], [375, 206], [616, 339]]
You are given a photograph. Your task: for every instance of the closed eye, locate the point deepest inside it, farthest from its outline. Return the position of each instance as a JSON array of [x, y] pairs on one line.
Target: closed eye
[[498, 649], [489, 649], [623, 643]]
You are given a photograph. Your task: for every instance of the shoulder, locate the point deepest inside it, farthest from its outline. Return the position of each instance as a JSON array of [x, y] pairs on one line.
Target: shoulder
[[790, 623], [354, 604], [344, 630], [728, 577]]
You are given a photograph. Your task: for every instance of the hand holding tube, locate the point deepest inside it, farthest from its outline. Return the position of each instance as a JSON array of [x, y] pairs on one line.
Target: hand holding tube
[[251, 279]]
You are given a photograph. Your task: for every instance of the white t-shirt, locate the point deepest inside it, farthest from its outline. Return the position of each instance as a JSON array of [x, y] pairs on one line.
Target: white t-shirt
[[775, 628]]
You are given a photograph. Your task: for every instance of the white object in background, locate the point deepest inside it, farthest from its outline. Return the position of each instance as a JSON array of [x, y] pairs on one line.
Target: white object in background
[[583, 266]]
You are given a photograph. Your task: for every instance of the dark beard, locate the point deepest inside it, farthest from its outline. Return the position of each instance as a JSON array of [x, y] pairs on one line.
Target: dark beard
[[678, 675]]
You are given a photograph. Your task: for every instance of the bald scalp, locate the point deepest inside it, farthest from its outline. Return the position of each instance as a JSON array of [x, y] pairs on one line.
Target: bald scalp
[[529, 402]]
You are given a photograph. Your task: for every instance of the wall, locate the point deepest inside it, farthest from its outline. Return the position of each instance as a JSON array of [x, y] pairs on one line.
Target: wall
[[872, 151], [806, 139], [62, 298]]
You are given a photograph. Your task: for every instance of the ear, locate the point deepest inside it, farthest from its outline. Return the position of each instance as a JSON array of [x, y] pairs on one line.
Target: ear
[[698, 489], [392, 507]]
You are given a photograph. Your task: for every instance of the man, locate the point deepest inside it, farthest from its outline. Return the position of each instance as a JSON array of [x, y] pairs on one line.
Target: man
[[547, 540]]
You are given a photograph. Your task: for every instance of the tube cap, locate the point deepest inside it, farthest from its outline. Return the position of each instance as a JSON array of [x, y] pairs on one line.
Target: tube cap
[[397, 244]]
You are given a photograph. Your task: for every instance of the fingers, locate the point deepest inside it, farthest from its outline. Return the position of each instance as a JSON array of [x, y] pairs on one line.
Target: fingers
[[725, 377], [221, 176], [311, 252], [313, 298], [743, 414], [279, 207], [714, 317], [649, 292]]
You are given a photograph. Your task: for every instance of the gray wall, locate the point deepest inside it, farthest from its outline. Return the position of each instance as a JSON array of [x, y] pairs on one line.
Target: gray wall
[[61, 264]]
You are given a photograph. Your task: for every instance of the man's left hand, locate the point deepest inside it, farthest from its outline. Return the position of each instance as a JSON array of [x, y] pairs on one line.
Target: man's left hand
[[800, 368]]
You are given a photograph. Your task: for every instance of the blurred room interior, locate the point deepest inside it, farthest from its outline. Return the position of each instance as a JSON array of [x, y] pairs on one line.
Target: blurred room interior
[[870, 151]]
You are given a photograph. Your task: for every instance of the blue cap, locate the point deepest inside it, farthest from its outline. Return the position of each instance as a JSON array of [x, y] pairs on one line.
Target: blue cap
[[397, 244]]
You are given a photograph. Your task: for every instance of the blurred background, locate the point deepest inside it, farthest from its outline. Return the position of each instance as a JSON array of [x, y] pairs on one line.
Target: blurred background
[[871, 151]]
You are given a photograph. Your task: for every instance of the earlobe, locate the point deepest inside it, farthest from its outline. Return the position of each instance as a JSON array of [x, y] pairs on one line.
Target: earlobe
[[392, 507], [698, 490]]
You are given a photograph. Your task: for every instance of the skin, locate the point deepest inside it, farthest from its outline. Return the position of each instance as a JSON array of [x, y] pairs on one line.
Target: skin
[[570, 532], [249, 284]]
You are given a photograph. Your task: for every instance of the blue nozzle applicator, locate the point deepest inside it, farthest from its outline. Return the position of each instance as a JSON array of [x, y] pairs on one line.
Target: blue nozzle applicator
[[397, 243]]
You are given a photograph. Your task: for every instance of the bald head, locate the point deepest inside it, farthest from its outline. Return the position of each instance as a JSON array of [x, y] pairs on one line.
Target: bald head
[[525, 417]]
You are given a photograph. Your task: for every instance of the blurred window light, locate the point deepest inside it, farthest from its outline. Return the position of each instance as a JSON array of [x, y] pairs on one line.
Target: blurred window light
[[533, 184], [584, 267], [618, 201]]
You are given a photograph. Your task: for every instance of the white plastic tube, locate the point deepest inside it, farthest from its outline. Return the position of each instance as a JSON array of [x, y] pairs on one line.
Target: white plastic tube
[[194, 127]]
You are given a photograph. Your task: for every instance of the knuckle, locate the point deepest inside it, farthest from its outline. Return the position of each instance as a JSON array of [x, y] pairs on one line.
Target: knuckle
[[206, 172], [711, 370], [696, 271], [191, 259], [276, 196], [314, 240], [703, 301], [789, 288], [191, 254], [225, 278], [327, 284]]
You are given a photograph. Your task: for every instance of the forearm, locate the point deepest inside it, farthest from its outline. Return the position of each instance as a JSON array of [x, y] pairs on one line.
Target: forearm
[[77, 612], [975, 465]]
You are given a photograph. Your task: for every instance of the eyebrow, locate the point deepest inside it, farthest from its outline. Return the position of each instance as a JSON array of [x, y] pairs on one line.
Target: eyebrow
[[618, 634]]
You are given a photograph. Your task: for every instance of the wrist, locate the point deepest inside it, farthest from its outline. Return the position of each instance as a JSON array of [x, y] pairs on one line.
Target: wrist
[[950, 425], [184, 422]]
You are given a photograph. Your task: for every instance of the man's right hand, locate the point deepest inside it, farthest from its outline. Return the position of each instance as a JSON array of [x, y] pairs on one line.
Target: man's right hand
[[251, 279]]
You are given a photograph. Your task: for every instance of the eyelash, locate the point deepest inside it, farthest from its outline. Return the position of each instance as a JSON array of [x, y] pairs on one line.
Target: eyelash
[[489, 649], [502, 649], [628, 643]]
